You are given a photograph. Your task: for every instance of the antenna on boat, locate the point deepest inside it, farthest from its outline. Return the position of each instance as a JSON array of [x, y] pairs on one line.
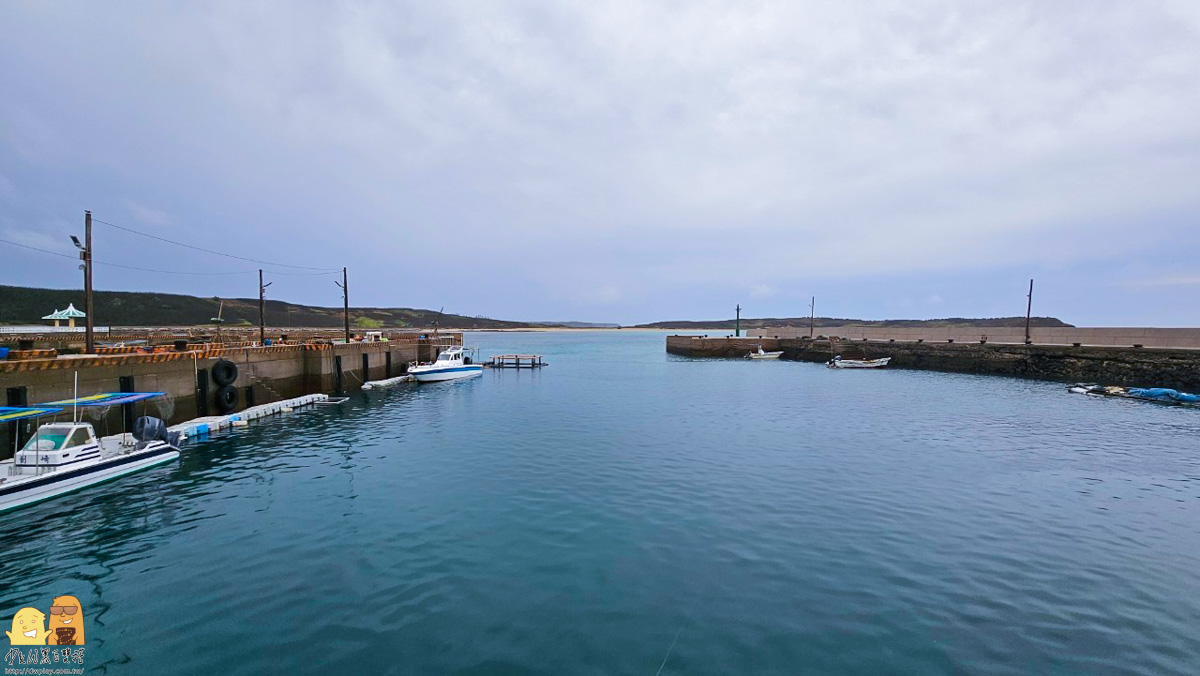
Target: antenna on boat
[[437, 319], [75, 410]]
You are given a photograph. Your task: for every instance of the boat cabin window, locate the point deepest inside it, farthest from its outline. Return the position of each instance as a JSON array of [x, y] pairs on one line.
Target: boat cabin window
[[445, 356], [57, 438], [79, 437], [47, 439]]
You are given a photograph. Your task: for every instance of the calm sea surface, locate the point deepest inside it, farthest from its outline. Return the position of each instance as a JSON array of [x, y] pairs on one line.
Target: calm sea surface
[[622, 507]]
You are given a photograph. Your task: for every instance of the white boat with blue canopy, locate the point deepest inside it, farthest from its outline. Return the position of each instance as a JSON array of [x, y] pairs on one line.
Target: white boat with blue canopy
[[63, 457], [452, 363]]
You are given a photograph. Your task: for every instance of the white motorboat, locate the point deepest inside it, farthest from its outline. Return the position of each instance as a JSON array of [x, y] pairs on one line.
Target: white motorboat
[[759, 354], [839, 363], [63, 457], [452, 363]]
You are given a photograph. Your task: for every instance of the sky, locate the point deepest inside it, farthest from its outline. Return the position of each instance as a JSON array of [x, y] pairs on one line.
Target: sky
[[615, 161]]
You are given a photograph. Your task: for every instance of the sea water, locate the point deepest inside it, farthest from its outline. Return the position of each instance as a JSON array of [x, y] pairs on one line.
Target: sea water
[[623, 511]]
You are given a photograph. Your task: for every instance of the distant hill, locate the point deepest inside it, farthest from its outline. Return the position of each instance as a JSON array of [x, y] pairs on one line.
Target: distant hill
[[582, 325], [21, 305], [802, 322]]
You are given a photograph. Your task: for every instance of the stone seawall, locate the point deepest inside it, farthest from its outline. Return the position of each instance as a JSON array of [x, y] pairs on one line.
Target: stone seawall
[[1040, 335], [1132, 367]]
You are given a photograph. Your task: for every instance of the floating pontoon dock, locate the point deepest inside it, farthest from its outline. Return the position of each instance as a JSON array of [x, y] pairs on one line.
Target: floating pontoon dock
[[387, 382], [213, 423], [517, 361]]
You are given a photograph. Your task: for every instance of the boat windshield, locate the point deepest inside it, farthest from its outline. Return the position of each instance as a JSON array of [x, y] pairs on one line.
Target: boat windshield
[[447, 356], [57, 438]]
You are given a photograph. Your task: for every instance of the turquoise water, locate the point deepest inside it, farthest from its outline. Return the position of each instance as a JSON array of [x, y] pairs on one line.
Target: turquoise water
[[622, 507]]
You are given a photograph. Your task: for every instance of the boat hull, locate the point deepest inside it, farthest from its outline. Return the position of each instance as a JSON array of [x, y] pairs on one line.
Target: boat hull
[[54, 484], [442, 374], [859, 363], [766, 355]]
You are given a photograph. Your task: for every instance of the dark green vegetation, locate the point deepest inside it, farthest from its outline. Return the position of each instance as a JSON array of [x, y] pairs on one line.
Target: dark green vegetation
[[801, 322], [21, 305]]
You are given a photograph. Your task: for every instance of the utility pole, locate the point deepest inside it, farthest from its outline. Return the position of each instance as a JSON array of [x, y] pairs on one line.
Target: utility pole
[[345, 302], [85, 255], [1028, 311], [262, 301], [737, 325]]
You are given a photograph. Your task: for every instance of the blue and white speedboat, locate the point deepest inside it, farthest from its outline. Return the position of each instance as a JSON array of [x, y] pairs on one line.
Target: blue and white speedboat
[[63, 457], [452, 363]]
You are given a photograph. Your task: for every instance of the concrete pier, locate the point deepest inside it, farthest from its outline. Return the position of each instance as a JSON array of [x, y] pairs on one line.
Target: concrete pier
[[1128, 366], [264, 374]]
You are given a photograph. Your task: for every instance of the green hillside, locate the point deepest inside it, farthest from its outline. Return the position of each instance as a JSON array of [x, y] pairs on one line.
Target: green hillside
[[21, 305]]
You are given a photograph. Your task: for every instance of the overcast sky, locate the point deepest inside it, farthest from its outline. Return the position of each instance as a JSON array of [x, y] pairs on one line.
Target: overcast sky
[[618, 161]]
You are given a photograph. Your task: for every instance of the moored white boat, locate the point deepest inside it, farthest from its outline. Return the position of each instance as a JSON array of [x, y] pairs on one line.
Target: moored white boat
[[759, 354], [63, 457], [839, 363], [452, 363]]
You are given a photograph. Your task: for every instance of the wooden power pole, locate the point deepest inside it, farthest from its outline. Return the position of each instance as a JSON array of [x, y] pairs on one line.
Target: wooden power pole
[[812, 314], [346, 303], [1028, 312], [89, 336], [262, 302]]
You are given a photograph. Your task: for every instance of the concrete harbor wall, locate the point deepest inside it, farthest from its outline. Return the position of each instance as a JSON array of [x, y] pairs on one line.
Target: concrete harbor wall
[[1133, 367], [264, 374], [1108, 336]]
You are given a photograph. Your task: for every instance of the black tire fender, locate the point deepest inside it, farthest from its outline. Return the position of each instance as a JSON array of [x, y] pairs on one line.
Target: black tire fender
[[224, 372], [227, 399]]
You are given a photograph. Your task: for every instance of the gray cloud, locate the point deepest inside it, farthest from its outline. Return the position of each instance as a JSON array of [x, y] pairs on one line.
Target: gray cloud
[[623, 160]]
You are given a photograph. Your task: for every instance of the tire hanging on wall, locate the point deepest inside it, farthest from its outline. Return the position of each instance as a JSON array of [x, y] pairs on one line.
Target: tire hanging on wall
[[224, 372], [227, 399]]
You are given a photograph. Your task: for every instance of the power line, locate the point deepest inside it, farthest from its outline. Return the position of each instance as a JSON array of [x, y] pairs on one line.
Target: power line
[[34, 248], [131, 267], [217, 253], [174, 272], [302, 274]]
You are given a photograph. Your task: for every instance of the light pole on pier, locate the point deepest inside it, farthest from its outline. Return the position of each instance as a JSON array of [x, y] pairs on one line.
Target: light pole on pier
[[737, 324]]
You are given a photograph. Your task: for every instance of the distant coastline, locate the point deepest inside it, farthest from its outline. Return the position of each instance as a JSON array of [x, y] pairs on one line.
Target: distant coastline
[[831, 322], [26, 306]]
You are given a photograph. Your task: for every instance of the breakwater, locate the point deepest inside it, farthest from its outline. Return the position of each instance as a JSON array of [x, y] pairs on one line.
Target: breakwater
[[1038, 335], [1128, 366]]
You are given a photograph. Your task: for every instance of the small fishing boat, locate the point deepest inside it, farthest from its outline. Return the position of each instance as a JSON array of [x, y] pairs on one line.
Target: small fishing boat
[[1158, 395], [63, 457], [839, 363], [452, 363], [759, 354]]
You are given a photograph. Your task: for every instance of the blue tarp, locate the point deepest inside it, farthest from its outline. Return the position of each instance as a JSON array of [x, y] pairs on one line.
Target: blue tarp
[[11, 413], [106, 399], [1163, 394]]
